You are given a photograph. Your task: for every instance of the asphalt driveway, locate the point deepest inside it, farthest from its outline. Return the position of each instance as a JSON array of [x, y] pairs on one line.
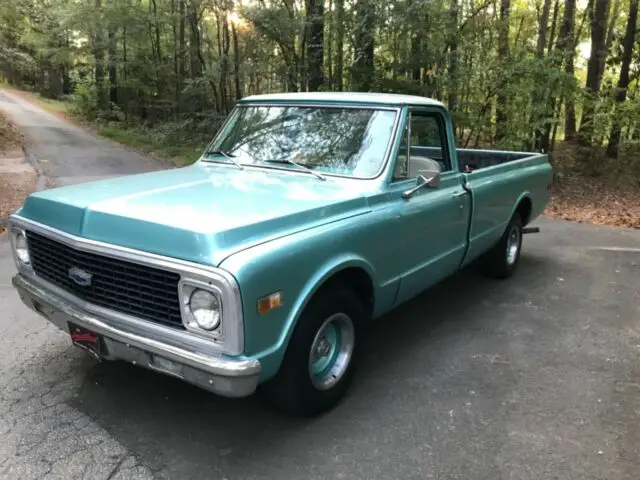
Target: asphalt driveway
[[537, 377], [68, 154]]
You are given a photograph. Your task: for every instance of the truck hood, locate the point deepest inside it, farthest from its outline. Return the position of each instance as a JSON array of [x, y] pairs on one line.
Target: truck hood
[[201, 213]]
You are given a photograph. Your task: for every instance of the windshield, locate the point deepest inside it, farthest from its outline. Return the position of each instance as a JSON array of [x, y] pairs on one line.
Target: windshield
[[343, 141]]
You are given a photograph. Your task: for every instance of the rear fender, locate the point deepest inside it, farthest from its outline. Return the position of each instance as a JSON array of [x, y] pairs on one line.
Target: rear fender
[[516, 204]]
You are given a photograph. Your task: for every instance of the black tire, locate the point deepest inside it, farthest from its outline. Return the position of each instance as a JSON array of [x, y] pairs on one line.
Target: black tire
[[497, 263], [292, 389]]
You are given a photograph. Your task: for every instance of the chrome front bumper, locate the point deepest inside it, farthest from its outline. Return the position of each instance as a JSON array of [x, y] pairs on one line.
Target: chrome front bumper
[[223, 376]]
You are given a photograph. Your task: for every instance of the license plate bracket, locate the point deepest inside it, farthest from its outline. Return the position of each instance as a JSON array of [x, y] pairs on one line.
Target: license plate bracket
[[89, 341]]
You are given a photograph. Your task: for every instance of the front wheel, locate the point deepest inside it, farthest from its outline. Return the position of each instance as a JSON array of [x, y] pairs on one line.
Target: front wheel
[[502, 259], [319, 364]]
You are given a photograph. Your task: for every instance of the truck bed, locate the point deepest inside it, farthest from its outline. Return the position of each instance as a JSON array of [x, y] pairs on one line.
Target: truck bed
[[477, 159], [472, 159]]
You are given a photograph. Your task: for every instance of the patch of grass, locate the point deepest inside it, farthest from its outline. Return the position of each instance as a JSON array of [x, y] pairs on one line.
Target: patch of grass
[[53, 105], [152, 142]]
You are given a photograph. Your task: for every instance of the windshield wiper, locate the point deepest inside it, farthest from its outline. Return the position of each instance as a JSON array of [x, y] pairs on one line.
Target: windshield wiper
[[228, 156], [306, 169]]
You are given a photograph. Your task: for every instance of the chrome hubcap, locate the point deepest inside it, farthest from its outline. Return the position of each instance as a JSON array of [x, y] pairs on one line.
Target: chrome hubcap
[[513, 245], [331, 351]]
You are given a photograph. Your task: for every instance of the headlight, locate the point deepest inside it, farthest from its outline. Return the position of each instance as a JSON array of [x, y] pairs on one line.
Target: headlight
[[21, 248], [205, 308], [211, 308]]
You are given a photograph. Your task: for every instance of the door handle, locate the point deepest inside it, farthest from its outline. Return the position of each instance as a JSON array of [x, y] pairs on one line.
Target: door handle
[[459, 194]]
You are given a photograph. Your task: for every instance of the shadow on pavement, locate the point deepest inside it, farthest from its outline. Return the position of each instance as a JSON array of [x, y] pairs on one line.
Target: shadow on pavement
[[161, 419]]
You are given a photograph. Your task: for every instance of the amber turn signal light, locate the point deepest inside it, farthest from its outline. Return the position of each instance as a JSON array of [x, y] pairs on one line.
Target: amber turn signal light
[[270, 302]]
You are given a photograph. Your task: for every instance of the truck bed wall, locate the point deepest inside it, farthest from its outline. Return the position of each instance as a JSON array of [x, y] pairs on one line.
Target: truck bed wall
[[475, 159]]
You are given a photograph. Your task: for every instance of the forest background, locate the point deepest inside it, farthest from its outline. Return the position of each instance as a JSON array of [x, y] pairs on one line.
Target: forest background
[[161, 75]]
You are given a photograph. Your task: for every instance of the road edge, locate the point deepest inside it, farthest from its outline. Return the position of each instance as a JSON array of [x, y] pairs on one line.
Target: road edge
[[41, 179], [86, 127]]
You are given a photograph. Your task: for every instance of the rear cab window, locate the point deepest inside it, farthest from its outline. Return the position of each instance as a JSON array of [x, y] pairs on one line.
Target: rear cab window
[[425, 136]]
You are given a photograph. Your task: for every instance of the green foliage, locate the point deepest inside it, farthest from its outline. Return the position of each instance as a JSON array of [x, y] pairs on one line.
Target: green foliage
[[84, 101], [174, 68], [157, 141]]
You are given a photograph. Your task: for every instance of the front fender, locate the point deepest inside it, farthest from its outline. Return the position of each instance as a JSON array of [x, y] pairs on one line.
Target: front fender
[[298, 277], [298, 265], [325, 271]]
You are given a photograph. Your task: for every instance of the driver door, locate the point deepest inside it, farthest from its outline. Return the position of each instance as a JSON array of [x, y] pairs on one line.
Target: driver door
[[433, 220]]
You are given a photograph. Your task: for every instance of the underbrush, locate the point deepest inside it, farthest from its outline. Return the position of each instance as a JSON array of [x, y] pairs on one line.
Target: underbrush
[[173, 141], [570, 159]]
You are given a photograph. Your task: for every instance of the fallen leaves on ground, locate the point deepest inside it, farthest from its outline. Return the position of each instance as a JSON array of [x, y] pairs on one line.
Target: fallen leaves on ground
[[17, 178], [592, 188], [597, 201], [10, 136]]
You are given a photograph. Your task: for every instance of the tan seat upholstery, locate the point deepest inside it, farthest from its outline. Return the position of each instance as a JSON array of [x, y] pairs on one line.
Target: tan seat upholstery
[[418, 165], [422, 165]]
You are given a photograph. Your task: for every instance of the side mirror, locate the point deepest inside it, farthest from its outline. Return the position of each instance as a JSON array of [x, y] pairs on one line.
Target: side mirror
[[428, 178]]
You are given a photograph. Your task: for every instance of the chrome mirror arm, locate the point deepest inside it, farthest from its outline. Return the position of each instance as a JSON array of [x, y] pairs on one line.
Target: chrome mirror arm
[[432, 181]]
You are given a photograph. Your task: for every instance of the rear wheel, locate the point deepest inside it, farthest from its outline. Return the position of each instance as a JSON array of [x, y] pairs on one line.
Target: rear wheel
[[318, 367], [501, 261]]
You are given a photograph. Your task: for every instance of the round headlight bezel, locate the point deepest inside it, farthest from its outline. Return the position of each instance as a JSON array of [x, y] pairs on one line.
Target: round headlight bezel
[[187, 287], [21, 248], [206, 309]]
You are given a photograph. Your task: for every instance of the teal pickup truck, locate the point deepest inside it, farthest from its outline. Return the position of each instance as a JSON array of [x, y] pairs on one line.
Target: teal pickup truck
[[307, 216]]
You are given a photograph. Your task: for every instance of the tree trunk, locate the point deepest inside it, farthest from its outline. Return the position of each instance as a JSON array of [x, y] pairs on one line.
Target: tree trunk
[[156, 22], [67, 87], [236, 62], [556, 62], [597, 58], [329, 47], [503, 53], [415, 56], [315, 43], [124, 97], [610, 31], [339, 45], [55, 82], [111, 58], [623, 80], [453, 57], [566, 51], [539, 100], [554, 22], [585, 15], [363, 73], [224, 62], [181, 49], [176, 61], [98, 55], [195, 53], [542, 28]]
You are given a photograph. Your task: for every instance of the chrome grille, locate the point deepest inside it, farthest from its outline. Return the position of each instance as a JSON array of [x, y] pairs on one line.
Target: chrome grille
[[126, 287]]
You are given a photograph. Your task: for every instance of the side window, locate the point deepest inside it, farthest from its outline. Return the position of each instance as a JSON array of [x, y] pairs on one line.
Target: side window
[[428, 144]]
